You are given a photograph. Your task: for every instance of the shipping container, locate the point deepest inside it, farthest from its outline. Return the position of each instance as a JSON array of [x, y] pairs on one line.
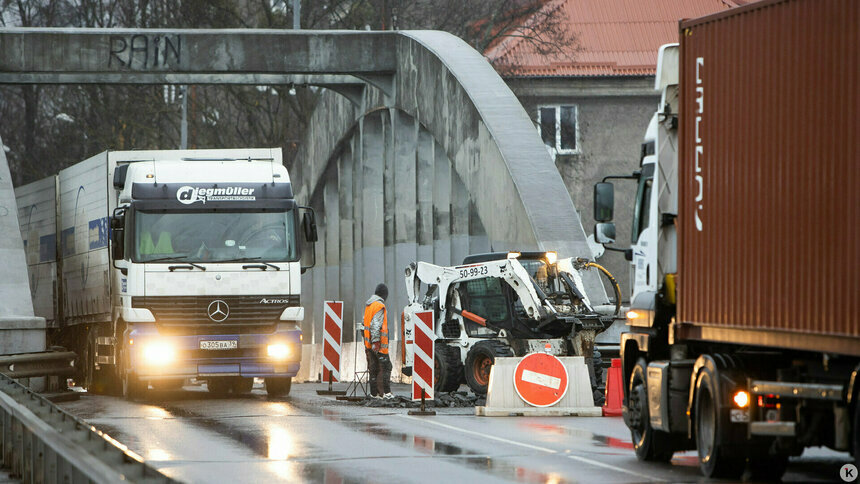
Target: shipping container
[[769, 165]]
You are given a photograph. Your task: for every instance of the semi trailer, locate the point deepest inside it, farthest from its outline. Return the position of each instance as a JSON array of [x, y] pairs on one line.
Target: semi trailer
[[743, 337], [159, 266]]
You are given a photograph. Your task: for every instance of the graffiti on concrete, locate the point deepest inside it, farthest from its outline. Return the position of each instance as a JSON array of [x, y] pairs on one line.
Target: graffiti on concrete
[[145, 51]]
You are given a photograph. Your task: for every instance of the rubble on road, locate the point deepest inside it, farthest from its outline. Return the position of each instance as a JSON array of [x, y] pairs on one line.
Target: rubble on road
[[443, 399]]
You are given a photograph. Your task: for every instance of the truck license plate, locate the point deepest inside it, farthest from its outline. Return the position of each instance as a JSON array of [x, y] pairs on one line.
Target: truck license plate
[[219, 345]]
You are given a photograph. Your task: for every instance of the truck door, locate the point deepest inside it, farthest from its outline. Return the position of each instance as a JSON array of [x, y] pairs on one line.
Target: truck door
[[644, 233]]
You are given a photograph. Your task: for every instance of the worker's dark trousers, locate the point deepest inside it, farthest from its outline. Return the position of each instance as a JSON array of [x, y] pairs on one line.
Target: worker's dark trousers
[[372, 371], [384, 378], [379, 371]]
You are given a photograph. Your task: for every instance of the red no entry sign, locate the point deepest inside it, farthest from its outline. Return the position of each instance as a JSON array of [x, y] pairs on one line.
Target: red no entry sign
[[540, 379]]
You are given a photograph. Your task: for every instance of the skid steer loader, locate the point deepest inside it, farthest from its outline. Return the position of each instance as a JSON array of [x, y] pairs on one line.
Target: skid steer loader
[[498, 305]]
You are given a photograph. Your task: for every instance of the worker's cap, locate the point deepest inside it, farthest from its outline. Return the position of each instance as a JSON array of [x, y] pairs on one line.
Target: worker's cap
[[381, 291]]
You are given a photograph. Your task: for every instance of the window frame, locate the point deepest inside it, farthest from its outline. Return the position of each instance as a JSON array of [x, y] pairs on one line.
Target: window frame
[[557, 149]]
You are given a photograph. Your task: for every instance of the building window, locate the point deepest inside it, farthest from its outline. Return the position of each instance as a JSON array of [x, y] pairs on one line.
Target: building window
[[559, 128]]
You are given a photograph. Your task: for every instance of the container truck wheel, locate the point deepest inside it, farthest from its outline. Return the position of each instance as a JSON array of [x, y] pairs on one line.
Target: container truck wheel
[[278, 387], [717, 456], [449, 367], [649, 444], [856, 436], [480, 360]]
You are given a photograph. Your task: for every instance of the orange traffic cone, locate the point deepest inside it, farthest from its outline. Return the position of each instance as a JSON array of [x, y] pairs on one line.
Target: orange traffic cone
[[614, 392]]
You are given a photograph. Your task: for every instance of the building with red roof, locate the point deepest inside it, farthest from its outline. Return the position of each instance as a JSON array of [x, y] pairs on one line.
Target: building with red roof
[[592, 102]]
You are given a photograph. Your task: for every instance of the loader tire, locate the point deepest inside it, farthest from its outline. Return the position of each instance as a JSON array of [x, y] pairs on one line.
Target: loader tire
[[449, 367], [480, 360]]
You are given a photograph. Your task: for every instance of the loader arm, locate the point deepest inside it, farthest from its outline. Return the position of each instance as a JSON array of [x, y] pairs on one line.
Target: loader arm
[[508, 270]]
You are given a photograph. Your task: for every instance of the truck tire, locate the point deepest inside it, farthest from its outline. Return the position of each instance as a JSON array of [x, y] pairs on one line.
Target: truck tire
[[133, 388], [649, 444], [449, 367], [717, 458], [480, 360], [278, 387], [856, 433]]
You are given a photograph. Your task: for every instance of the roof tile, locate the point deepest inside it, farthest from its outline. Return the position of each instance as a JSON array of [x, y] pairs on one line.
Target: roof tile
[[614, 37]]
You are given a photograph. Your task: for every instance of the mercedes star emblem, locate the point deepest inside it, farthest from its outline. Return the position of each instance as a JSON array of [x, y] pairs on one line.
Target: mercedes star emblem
[[218, 310]]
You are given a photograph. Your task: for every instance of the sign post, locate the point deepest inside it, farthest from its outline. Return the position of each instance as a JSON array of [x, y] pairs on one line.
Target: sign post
[[423, 367], [332, 344]]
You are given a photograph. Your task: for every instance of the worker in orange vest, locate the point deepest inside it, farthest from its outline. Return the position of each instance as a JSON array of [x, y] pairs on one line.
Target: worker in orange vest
[[376, 344]]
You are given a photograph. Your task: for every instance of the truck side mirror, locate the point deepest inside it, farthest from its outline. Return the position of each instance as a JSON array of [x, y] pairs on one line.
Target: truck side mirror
[[604, 233], [309, 225], [117, 226], [604, 203]]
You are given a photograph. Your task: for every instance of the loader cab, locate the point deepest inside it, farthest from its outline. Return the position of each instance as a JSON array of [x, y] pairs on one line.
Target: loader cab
[[495, 300]]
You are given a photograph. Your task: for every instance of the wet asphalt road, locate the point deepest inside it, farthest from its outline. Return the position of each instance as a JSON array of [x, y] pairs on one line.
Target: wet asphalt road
[[194, 437]]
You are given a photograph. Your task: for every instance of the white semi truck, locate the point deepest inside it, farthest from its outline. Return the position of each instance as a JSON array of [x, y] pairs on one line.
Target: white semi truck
[[157, 266]]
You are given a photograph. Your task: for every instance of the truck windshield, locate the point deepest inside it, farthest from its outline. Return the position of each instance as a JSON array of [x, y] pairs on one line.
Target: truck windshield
[[214, 236]]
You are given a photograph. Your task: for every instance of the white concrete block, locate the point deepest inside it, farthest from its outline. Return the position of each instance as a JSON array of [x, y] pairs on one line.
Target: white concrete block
[[503, 400]]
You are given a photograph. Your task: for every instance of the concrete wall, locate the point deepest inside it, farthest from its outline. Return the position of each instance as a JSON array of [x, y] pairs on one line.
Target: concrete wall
[[613, 114], [20, 331]]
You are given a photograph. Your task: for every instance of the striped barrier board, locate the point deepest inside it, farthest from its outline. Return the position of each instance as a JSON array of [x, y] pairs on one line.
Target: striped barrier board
[[332, 340], [423, 369]]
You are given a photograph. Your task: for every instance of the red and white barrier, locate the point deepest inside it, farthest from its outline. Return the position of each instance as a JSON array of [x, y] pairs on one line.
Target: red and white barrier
[[332, 340], [422, 350]]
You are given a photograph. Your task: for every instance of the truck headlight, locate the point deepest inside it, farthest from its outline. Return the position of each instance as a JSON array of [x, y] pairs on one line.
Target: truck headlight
[[278, 351], [158, 353]]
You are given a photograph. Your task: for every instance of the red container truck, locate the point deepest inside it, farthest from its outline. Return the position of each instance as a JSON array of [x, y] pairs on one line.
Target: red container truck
[[744, 328]]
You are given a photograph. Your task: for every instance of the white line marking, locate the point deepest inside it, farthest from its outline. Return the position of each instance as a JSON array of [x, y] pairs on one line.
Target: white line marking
[[584, 460], [541, 379]]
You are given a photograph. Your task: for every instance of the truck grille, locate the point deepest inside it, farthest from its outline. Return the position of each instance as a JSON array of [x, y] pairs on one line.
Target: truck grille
[[233, 312]]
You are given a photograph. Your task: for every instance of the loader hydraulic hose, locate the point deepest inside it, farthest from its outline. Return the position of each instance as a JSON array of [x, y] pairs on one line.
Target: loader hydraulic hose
[[612, 281]]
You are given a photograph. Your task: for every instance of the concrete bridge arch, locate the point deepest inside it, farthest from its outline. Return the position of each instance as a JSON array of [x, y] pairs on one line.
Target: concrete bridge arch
[[441, 162], [414, 105]]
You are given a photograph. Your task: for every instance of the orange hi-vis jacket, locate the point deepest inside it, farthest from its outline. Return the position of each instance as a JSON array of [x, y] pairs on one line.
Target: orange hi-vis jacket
[[369, 311]]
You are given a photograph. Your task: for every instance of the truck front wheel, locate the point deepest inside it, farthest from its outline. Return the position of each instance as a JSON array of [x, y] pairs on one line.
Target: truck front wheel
[[278, 387], [649, 444], [717, 458], [133, 388]]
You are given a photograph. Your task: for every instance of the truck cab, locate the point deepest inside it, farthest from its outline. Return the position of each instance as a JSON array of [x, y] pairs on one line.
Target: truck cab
[[205, 252], [653, 243]]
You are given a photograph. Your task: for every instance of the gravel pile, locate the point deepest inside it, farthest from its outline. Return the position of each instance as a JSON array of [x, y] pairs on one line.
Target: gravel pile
[[443, 399]]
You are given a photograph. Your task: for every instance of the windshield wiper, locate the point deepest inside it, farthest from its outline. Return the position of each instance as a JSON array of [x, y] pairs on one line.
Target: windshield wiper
[[180, 258], [261, 265]]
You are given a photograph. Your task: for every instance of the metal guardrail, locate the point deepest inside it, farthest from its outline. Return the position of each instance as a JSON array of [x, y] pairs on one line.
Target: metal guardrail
[[43, 363], [42, 443]]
